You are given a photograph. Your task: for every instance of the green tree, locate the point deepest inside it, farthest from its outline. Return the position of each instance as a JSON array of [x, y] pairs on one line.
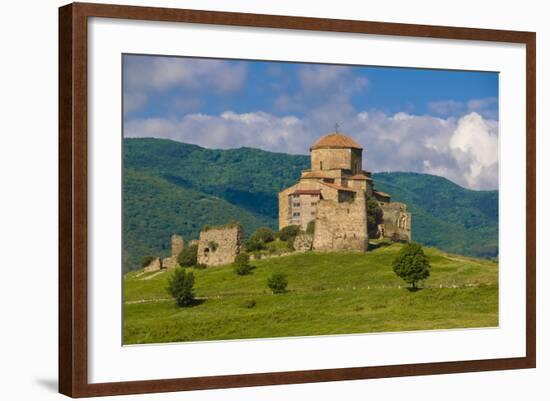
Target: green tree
[[263, 235], [374, 216], [289, 233], [411, 264], [241, 265], [180, 286], [188, 256], [253, 245], [277, 283]]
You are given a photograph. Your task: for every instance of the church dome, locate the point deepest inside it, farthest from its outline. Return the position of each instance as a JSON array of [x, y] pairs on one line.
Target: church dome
[[335, 140]]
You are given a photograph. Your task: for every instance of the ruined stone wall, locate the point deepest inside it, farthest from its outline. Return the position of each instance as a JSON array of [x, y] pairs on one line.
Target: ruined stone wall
[[341, 226], [177, 244], [155, 265], [397, 221], [303, 242], [219, 245]]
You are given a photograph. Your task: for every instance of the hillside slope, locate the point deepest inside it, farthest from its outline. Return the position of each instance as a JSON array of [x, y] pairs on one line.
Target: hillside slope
[[175, 187], [328, 293]]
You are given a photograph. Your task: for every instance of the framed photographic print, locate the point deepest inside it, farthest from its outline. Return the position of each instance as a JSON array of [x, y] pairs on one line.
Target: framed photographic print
[[252, 200]]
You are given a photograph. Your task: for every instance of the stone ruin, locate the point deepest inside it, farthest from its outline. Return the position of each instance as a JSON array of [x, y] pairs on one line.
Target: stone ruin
[[219, 245], [303, 242], [397, 222], [156, 264], [170, 262]]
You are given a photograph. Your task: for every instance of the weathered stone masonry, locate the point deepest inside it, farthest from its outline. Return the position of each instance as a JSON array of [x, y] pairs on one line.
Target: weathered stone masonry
[[219, 245]]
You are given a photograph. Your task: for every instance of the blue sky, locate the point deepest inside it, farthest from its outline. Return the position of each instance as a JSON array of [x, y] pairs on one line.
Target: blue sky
[[434, 121]]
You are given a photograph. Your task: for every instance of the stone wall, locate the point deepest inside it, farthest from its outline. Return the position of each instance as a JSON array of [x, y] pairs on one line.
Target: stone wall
[[303, 242], [341, 226], [177, 244], [219, 245], [397, 222], [170, 262], [155, 265]]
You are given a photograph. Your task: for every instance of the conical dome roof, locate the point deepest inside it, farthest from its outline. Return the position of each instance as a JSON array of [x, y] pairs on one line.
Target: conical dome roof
[[335, 140]]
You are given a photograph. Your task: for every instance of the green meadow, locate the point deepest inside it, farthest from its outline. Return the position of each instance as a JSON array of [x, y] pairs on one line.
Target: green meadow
[[328, 293]]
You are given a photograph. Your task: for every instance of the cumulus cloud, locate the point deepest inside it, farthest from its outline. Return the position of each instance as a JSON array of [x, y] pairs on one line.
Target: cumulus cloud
[[464, 150]]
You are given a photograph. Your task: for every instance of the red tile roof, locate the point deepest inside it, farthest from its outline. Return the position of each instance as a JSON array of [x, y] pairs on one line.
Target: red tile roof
[[335, 140], [383, 194]]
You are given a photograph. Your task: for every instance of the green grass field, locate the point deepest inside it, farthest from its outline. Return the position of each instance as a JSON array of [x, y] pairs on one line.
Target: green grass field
[[328, 293]]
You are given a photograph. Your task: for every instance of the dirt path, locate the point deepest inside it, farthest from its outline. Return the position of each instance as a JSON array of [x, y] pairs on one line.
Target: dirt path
[[151, 276]]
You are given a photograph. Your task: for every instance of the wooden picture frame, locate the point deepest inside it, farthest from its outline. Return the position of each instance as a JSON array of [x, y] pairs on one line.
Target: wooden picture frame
[[73, 199]]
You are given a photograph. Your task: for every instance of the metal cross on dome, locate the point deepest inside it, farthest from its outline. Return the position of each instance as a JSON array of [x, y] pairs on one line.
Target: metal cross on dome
[[336, 127]]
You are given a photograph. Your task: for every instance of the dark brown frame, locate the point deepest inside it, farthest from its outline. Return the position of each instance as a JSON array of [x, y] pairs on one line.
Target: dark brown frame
[[73, 357]]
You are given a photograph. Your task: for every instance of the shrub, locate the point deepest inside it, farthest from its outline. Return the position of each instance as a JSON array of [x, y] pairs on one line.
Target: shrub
[[263, 235], [188, 256], [411, 264], [375, 216], [200, 266], [180, 286], [310, 229], [146, 260], [252, 245], [249, 303], [277, 283], [289, 232], [241, 265]]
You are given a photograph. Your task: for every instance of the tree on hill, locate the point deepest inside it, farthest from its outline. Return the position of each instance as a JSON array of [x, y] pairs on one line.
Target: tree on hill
[[411, 264], [263, 234], [277, 282], [259, 238], [188, 256], [374, 216], [180, 286], [241, 265], [289, 233]]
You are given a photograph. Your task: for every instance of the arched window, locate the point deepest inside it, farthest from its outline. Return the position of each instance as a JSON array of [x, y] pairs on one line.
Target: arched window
[[321, 164]]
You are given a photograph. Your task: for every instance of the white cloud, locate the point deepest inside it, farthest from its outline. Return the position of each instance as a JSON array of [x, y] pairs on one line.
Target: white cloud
[[144, 75], [477, 140], [464, 150]]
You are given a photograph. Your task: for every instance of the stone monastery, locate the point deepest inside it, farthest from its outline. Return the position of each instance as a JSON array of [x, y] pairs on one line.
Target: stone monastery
[[334, 194]]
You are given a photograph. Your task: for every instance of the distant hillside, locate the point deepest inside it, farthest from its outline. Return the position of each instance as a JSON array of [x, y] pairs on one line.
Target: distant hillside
[[175, 187], [444, 214]]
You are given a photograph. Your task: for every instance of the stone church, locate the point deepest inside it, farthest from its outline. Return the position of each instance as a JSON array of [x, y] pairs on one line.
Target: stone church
[[333, 193]]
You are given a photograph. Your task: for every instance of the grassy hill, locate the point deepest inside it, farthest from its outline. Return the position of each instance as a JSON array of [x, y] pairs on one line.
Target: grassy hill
[[329, 293], [172, 187]]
